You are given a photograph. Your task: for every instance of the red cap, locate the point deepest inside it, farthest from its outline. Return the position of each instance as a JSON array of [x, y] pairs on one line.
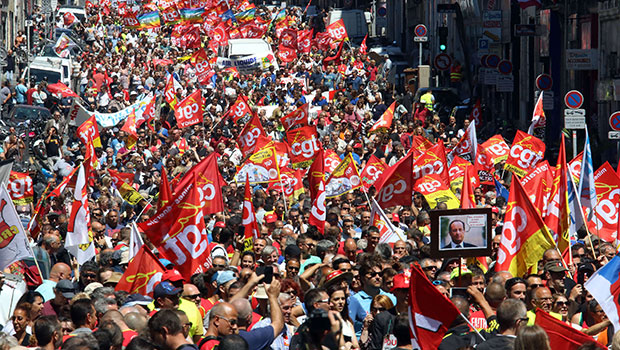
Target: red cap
[[172, 276], [395, 217], [400, 281], [357, 145], [270, 218], [220, 224]]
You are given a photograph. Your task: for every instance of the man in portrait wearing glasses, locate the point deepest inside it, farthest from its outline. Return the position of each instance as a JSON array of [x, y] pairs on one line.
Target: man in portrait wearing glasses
[[456, 230], [222, 322], [359, 304]]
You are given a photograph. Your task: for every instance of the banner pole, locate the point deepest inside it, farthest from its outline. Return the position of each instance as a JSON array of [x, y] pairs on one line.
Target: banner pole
[[284, 198], [472, 326]]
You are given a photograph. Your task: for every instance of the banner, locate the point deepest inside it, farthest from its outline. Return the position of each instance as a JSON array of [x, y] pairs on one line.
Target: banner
[[497, 148], [316, 174], [331, 161], [304, 145], [296, 117], [432, 161], [20, 188], [290, 182], [13, 241], [247, 64], [605, 219], [456, 172], [525, 153], [249, 222], [109, 120], [373, 169], [385, 121], [209, 181], [467, 146], [395, 185], [318, 211], [261, 167], [538, 185], [345, 178], [143, 273], [240, 110]]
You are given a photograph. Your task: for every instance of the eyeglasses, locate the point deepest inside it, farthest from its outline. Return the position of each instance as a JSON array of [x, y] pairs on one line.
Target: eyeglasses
[[231, 321], [188, 324], [561, 303], [323, 301], [192, 296], [377, 309], [89, 275], [523, 319], [292, 268], [428, 268], [291, 292], [219, 265], [534, 286], [545, 299]]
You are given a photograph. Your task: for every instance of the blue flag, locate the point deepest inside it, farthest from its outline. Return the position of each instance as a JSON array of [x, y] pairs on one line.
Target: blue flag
[[587, 189], [501, 190]]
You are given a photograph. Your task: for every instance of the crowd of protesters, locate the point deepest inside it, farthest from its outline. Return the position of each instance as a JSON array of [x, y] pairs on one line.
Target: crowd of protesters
[[340, 290]]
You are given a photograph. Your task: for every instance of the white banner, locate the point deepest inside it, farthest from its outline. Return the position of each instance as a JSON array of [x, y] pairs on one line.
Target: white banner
[[13, 240]]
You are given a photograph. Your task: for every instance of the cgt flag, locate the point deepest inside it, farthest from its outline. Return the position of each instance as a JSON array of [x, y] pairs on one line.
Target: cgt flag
[[345, 178], [373, 169], [249, 135], [143, 273], [436, 191], [13, 242], [385, 122], [189, 111], [304, 145], [337, 31], [298, 117], [556, 216], [249, 222], [525, 153], [524, 238], [395, 185], [261, 167], [430, 312], [605, 219]]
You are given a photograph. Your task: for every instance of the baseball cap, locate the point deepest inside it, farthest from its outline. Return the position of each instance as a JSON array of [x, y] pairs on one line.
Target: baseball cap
[[167, 263], [220, 224], [66, 288], [225, 276], [137, 299], [115, 277], [400, 281], [395, 217], [555, 266], [270, 218], [172, 275], [90, 288], [164, 289]]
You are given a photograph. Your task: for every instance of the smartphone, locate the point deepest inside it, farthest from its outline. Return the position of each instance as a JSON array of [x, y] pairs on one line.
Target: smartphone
[[459, 291], [267, 271]]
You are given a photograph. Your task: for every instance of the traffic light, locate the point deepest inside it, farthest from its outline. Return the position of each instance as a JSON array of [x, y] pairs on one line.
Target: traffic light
[[443, 38]]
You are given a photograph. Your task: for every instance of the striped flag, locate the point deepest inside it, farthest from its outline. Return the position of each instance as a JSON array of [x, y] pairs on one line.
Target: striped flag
[[587, 189]]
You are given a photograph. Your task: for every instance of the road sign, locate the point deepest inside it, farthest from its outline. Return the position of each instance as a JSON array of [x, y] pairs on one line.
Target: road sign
[[614, 135], [573, 99], [420, 30], [28, 23], [504, 83], [525, 30], [443, 61], [574, 112], [420, 39], [614, 121], [544, 82], [382, 11], [575, 122], [504, 67], [493, 61], [483, 61], [483, 44], [548, 99]]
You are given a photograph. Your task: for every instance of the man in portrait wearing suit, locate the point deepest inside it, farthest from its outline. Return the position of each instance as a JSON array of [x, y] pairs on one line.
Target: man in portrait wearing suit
[[456, 229]]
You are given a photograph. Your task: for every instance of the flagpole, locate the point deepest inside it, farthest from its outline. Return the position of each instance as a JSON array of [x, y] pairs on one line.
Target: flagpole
[[283, 198], [472, 326]]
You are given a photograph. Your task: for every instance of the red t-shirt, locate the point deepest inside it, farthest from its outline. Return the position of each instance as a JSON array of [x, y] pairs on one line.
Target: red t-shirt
[[128, 334], [478, 320]]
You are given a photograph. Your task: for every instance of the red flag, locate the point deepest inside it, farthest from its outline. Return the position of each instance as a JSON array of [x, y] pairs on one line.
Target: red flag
[[373, 169], [605, 220], [497, 148], [538, 185], [296, 117], [395, 185], [178, 231], [525, 153], [385, 122], [286, 54], [331, 161], [249, 218], [289, 38], [363, 47], [556, 216], [60, 88], [432, 161], [476, 113], [189, 111], [249, 135], [316, 174], [318, 211], [130, 128], [304, 145], [337, 31], [210, 183], [335, 58], [430, 312], [468, 200], [561, 335], [323, 41], [165, 196], [119, 177], [143, 273], [304, 40], [200, 61], [240, 110]]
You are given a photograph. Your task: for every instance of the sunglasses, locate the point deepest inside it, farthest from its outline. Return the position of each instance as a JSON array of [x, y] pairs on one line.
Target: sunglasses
[[428, 268], [377, 309], [192, 296], [561, 303], [374, 274], [219, 265], [231, 321], [534, 286]]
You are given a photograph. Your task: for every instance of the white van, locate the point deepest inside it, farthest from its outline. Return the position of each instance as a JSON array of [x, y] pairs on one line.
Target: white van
[[77, 11], [51, 69], [354, 22], [247, 55]]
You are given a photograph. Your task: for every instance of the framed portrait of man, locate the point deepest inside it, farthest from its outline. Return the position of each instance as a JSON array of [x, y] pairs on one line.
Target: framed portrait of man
[[461, 232]]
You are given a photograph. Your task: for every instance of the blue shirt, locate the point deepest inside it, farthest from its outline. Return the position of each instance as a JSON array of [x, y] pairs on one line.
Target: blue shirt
[[359, 307], [258, 338]]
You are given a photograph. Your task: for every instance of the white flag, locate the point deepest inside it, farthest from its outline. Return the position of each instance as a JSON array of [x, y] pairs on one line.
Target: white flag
[[389, 233], [13, 240], [135, 241], [79, 241]]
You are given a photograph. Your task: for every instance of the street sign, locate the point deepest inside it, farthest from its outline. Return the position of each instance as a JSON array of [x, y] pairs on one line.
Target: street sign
[[573, 99], [483, 44], [614, 121], [420, 39], [443, 61], [483, 61], [544, 82], [504, 83], [28, 23], [525, 30], [575, 122], [548, 103], [614, 135], [420, 30], [493, 61], [446, 8], [504, 67], [574, 112]]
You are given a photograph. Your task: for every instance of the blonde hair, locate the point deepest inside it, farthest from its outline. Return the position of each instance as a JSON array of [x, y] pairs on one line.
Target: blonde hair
[[382, 300]]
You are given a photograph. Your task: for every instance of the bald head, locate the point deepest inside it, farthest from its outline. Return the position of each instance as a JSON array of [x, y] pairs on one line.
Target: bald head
[[461, 304], [97, 226], [222, 309], [135, 321], [116, 317], [495, 294], [244, 311], [190, 289], [350, 243], [60, 271]]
